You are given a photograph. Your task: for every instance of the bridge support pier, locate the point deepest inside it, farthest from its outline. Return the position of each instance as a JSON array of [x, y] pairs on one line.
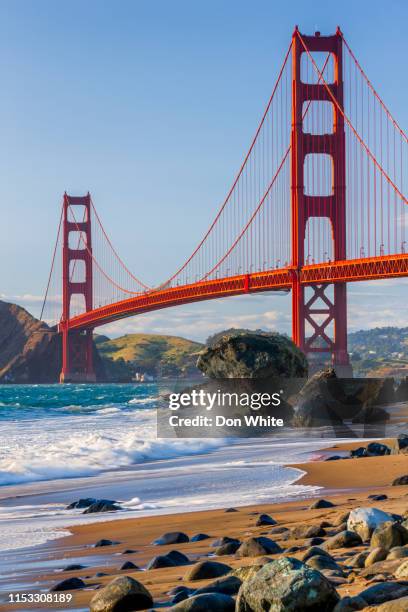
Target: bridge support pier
[[319, 311], [77, 346]]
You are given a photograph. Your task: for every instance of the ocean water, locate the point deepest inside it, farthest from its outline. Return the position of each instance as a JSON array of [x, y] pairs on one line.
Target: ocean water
[[62, 442]]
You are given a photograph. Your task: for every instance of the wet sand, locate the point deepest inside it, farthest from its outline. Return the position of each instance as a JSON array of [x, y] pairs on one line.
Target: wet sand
[[347, 483]]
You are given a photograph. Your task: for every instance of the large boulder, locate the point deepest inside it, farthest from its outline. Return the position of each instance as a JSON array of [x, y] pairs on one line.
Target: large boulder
[[228, 585], [172, 537], [123, 594], [402, 571], [69, 584], [401, 480], [252, 355], [256, 547], [375, 555], [384, 591], [286, 585], [365, 520], [344, 539], [396, 605], [102, 505], [388, 535]]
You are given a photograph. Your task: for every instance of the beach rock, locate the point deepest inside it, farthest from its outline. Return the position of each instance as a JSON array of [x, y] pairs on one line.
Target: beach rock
[[359, 452], [199, 536], [278, 530], [402, 439], [324, 562], [129, 565], [102, 505], [375, 555], [387, 568], [265, 519], [255, 547], [228, 586], [73, 567], [180, 593], [380, 497], [334, 458], [224, 540], [227, 549], [82, 503], [286, 585], [365, 520], [401, 480], [344, 539], [371, 414], [178, 557], [216, 602], [314, 551], [321, 503], [129, 551], [307, 531], [357, 560], [376, 449], [350, 604], [315, 412], [69, 584], [172, 537], [402, 571], [231, 510], [384, 591], [397, 605], [314, 541], [159, 562], [246, 572], [123, 594], [207, 569], [104, 542], [398, 552], [388, 535]]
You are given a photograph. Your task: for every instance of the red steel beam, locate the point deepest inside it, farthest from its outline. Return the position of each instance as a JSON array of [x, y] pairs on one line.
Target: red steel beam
[[374, 268]]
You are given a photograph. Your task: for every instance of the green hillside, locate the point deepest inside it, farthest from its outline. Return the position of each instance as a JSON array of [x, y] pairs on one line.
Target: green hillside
[[380, 351], [163, 356]]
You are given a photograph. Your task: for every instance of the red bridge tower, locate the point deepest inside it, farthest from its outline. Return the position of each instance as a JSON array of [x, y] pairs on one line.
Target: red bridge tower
[[317, 311]]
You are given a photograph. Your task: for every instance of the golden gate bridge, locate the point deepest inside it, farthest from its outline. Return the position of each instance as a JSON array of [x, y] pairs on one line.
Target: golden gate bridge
[[318, 202]]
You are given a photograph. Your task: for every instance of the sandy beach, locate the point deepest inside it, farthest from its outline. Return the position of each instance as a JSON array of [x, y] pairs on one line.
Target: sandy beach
[[346, 483]]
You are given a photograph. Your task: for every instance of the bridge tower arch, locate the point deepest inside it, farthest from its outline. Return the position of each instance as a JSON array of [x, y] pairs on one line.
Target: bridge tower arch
[[77, 345], [324, 314]]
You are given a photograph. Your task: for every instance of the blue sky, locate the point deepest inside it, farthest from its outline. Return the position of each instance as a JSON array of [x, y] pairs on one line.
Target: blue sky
[[151, 105]]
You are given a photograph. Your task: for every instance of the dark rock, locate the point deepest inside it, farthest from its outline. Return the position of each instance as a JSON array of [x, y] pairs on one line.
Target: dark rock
[[307, 531], [129, 565], [227, 549], [380, 497], [265, 519], [359, 452], [180, 596], [321, 401], [357, 560], [223, 540], [286, 585], [231, 510], [121, 595], [375, 449], [69, 584], [102, 505], [315, 412], [177, 557], [344, 539], [278, 530], [173, 537], [73, 567], [100, 574], [382, 567], [292, 549], [334, 458], [228, 586], [207, 569], [324, 562], [252, 355], [159, 562], [402, 439], [321, 503], [401, 393], [371, 414], [385, 591], [314, 551], [350, 604], [314, 541], [214, 602], [255, 547], [82, 503], [401, 480], [199, 536], [129, 551], [104, 542], [388, 535]]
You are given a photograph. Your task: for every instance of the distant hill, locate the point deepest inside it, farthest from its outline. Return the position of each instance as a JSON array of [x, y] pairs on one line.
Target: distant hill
[[163, 356], [381, 351]]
